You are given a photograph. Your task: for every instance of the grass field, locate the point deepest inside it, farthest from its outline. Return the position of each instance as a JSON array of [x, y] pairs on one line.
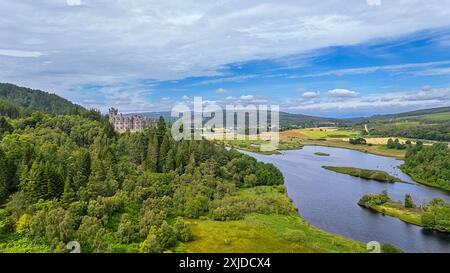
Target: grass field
[[272, 225], [321, 133], [255, 145], [378, 149], [437, 117], [397, 210], [412, 216], [266, 233]]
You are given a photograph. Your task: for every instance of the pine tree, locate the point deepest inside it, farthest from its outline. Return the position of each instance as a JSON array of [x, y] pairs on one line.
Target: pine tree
[[409, 203], [151, 162], [163, 150], [191, 165], [161, 129], [68, 195], [35, 185], [169, 164]]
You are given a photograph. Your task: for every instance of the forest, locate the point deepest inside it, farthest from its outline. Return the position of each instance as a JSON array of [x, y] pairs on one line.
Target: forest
[[438, 132], [429, 165], [72, 178], [18, 102]]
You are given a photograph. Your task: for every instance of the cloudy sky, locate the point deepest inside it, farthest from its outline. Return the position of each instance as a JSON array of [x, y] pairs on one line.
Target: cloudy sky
[[329, 58]]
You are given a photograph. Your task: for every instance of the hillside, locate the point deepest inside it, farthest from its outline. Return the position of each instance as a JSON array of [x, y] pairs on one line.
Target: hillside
[[431, 115], [287, 120], [17, 101], [427, 124]]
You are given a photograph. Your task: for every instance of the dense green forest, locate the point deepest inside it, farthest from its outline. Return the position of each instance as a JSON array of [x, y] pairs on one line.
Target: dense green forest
[[439, 132], [429, 165], [67, 178], [18, 101]]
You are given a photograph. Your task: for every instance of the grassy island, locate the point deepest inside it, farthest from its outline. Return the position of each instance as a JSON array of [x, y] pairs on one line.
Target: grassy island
[[377, 175], [321, 154], [435, 215]]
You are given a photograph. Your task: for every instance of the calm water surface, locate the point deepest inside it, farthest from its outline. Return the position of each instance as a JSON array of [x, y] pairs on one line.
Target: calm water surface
[[328, 200]]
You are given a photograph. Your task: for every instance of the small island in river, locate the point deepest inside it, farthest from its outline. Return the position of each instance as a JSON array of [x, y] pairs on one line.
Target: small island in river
[[434, 215], [376, 175], [321, 154]]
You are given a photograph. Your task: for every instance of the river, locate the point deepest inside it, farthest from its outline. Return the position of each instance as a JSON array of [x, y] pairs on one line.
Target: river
[[328, 200]]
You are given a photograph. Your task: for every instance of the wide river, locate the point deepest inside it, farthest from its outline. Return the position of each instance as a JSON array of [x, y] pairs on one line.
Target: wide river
[[328, 200]]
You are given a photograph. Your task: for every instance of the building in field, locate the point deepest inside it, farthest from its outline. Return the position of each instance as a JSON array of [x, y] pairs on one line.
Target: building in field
[[129, 123]]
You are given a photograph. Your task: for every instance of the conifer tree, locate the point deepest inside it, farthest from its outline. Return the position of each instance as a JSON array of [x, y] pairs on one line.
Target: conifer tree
[[163, 150], [161, 129], [169, 164], [152, 154]]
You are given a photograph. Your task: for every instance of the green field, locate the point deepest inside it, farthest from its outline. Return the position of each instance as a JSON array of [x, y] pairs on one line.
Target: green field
[[437, 117], [255, 145], [327, 133], [377, 175], [399, 211], [272, 224], [385, 205], [266, 233]]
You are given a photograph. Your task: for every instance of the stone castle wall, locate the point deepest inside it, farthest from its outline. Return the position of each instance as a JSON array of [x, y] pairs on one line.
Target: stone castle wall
[[129, 123]]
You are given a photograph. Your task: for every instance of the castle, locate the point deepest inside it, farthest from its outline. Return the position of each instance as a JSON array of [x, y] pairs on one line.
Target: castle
[[129, 123]]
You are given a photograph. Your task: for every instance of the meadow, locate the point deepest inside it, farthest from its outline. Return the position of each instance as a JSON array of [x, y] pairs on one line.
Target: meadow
[[283, 232]]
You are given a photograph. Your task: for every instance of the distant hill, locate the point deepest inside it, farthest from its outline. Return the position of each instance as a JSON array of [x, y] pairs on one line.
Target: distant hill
[[299, 120], [431, 115], [16, 100], [287, 120], [427, 124]]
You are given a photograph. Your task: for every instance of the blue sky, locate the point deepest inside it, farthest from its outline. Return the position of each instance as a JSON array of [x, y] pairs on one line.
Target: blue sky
[[326, 59]]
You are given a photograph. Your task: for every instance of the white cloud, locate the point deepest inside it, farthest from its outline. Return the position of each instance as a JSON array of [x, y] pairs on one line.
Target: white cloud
[[73, 2], [310, 95], [221, 91], [247, 97], [239, 78], [371, 69], [343, 93], [382, 103], [165, 98], [435, 72], [20, 53], [112, 42]]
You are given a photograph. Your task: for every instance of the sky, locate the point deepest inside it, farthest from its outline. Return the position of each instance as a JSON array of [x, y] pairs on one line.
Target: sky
[[329, 58]]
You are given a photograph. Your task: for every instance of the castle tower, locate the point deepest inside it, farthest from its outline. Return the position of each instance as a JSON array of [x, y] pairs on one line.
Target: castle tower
[[132, 123]]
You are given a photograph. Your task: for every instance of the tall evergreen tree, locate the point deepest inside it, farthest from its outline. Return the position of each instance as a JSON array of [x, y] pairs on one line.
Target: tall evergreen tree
[[163, 150], [35, 185], [161, 129], [169, 164], [151, 162]]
